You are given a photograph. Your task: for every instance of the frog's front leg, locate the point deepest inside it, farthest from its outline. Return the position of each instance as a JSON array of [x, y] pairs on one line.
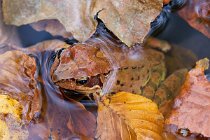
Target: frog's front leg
[[169, 89], [154, 43]]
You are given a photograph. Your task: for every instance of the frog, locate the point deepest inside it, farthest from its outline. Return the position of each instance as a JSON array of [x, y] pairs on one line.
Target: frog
[[98, 68]]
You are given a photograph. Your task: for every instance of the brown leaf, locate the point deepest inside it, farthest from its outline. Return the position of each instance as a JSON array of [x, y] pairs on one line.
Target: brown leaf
[[8, 34], [191, 107], [48, 45], [52, 26], [65, 120], [74, 15], [129, 116], [18, 81], [196, 13], [128, 20]]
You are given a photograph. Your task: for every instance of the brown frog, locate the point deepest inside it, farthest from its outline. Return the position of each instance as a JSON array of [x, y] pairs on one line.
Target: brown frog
[[93, 67]]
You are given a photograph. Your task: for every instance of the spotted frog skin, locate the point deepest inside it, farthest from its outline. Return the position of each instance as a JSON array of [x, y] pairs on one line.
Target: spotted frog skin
[[94, 68]]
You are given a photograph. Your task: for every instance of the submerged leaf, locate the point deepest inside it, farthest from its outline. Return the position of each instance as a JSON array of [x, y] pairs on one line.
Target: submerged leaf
[[196, 13], [52, 26], [191, 107], [129, 116], [65, 120]]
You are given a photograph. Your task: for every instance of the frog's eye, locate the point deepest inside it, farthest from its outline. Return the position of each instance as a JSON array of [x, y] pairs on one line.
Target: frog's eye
[[82, 81]]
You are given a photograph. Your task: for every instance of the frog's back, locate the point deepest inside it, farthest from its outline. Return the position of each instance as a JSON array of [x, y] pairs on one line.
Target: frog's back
[[141, 71]]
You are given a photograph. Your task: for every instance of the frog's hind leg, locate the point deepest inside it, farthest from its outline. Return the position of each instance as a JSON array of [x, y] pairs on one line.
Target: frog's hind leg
[[170, 88]]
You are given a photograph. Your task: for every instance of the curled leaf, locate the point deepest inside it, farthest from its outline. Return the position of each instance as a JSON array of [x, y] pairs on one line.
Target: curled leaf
[[129, 116], [191, 107]]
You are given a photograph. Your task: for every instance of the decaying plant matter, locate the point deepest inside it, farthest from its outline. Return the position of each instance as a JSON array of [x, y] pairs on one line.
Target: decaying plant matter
[[18, 81], [196, 13], [191, 107], [129, 116], [128, 20]]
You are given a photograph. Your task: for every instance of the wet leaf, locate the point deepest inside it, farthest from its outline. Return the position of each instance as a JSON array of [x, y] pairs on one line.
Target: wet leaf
[[65, 120], [128, 20], [18, 81], [11, 129], [8, 34], [10, 106], [191, 107], [10, 119], [129, 116], [52, 26], [74, 15], [196, 13]]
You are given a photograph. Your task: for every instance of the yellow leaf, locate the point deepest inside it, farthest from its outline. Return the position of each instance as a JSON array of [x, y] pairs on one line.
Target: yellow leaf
[[10, 119], [10, 106], [4, 131], [129, 116], [12, 130]]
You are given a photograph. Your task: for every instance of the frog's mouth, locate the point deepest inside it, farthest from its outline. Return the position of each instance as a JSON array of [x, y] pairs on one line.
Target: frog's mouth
[[83, 86]]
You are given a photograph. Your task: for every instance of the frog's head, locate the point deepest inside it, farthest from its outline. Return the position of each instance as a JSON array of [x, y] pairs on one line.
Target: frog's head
[[80, 68]]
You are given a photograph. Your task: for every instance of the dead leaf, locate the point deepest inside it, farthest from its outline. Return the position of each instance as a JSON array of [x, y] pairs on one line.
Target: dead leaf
[[52, 26], [11, 129], [191, 107], [128, 20], [129, 116], [18, 80], [10, 119], [44, 46], [196, 13], [65, 120], [8, 34], [74, 15], [10, 106]]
